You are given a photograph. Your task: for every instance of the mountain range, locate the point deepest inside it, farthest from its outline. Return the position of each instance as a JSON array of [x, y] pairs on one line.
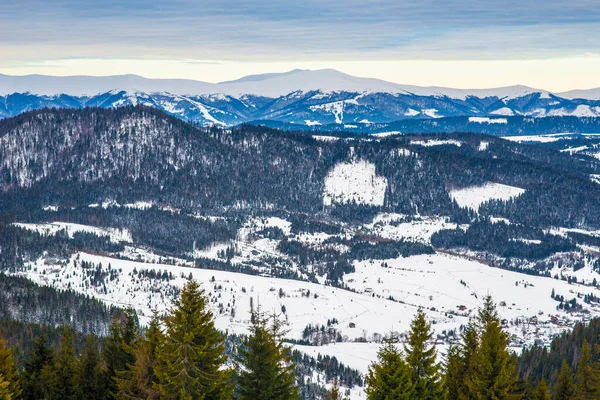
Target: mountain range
[[299, 98]]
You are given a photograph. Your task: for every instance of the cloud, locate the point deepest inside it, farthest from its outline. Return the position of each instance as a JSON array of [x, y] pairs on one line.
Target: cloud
[[246, 30]]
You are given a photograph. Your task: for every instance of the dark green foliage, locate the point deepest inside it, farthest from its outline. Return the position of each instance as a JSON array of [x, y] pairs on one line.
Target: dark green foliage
[[390, 377], [421, 359], [542, 392], [265, 367], [192, 357], [65, 368], [90, 378], [502, 239], [564, 388], [118, 352], [30, 302], [40, 360]]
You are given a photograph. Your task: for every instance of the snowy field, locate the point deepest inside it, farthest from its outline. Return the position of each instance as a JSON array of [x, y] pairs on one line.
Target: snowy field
[[355, 181], [52, 228], [473, 197], [384, 295]]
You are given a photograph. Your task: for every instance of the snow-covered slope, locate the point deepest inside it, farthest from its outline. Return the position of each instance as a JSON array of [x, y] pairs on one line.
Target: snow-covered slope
[[303, 97], [474, 197]]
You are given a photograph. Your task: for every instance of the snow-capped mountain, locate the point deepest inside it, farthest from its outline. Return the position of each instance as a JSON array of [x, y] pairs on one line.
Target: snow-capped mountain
[[300, 97]]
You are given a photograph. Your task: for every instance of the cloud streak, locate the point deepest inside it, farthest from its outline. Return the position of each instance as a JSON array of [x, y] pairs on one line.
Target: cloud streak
[[253, 30]]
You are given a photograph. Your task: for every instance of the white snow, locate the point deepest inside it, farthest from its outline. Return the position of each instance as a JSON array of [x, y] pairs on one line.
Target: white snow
[[411, 112], [354, 181], [436, 142], [483, 146], [485, 120], [309, 122], [548, 138], [473, 197], [503, 111], [336, 108], [270, 85], [431, 112], [384, 297], [391, 226], [52, 228]]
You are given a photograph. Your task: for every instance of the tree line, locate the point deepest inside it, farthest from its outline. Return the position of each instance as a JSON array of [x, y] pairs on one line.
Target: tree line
[[181, 355]]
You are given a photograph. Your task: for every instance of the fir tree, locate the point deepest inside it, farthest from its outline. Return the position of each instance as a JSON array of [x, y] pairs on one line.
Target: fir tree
[[389, 378], [585, 376], [192, 358], [41, 357], [8, 370], [266, 370], [90, 382], [139, 380], [454, 376], [118, 348], [493, 374], [542, 392], [468, 359], [421, 360], [66, 367], [564, 388]]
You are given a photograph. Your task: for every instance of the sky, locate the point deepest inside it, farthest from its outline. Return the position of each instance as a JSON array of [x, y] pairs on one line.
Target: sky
[[550, 44]]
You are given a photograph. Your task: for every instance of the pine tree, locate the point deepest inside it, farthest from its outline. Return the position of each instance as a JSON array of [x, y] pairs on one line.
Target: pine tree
[[389, 378], [192, 358], [139, 380], [90, 382], [585, 379], [118, 348], [66, 367], [34, 380], [542, 392], [266, 371], [421, 359], [564, 388], [8, 370], [494, 373]]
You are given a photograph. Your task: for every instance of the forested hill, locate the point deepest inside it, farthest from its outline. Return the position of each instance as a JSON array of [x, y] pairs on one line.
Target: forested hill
[[79, 157]]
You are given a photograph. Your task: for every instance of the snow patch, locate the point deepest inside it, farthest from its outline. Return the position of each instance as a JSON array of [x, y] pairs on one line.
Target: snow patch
[[473, 197], [436, 142], [485, 120], [355, 181]]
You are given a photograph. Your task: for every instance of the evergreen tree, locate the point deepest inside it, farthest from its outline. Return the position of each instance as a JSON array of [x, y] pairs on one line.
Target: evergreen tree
[[493, 374], [421, 359], [334, 392], [66, 367], [192, 358], [139, 380], [564, 388], [118, 348], [5, 393], [454, 376], [468, 359], [585, 376], [8, 370], [542, 392], [90, 382], [389, 378], [266, 370], [41, 357]]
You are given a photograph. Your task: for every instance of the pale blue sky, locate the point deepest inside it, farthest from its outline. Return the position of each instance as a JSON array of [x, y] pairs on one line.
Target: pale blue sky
[[470, 43]]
